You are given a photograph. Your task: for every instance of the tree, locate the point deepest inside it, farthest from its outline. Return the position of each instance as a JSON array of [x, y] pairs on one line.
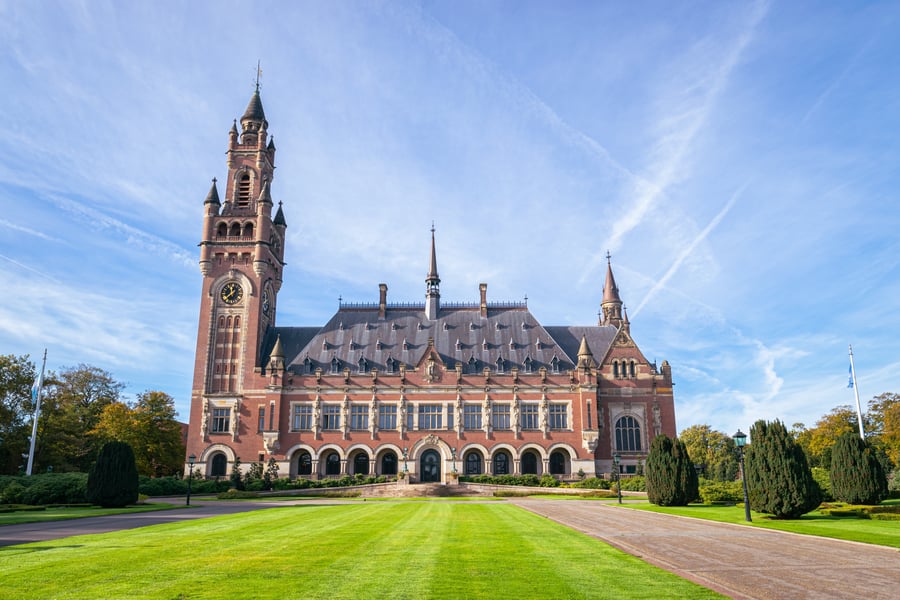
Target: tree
[[779, 479], [713, 450], [113, 480], [75, 400], [17, 374], [236, 479], [818, 442], [271, 473], [857, 476], [884, 426], [671, 478], [150, 427]]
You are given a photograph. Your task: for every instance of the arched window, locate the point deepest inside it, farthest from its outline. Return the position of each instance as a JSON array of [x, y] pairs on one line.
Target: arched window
[[473, 463], [501, 463], [244, 190], [558, 463], [219, 467], [554, 364], [235, 230], [631, 370], [529, 463], [391, 365], [307, 365], [333, 464], [389, 464], [473, 365], [304, 463], [248, 230], [361, 464], [499, 364], [529, 364], [628, 435], [363, 365], [615, 368], [222, 230], [335, 365]]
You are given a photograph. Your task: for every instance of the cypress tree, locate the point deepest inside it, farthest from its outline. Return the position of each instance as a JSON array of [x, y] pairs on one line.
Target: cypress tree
[[857, 476], [779, 480], [113, 480], [670, 476]]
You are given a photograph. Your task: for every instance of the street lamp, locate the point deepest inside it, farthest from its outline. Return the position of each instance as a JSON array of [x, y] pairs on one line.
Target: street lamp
[[616, 460], [740, 439], [191, 460]]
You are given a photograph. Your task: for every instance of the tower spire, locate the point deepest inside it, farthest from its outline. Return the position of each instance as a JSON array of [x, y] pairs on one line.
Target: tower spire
[[611, 305], [432, 284]]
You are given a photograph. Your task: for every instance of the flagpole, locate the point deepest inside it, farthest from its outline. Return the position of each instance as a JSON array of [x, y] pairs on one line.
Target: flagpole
[[37, 413], [862, 434]]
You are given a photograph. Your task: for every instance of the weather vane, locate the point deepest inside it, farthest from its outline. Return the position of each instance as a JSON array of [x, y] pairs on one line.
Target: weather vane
[[258, 75]]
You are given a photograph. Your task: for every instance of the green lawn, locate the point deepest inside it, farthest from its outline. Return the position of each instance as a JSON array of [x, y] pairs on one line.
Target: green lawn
[[884, 533], [393, 550], [61, 514]]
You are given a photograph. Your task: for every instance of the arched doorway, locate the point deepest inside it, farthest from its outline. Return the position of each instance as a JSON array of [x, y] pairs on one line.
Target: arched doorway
[[431, 466], [473, 463], [501, 463], [333, 464], [361, 464], [529, 463], [389, 463], [219, 467], [304, 463], [558, 463]]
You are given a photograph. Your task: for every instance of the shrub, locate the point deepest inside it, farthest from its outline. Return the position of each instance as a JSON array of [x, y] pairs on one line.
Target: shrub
[[637, 483], [548, 480], [593, 483], [721, 491], [669, 472], [235, 477], [779, 480], [113, 480], [13, 494], [234, 494], [856, 473], [55, 488], [164, 486]]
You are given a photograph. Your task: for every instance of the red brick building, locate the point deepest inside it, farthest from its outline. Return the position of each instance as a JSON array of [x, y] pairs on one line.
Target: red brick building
[[433, 387]]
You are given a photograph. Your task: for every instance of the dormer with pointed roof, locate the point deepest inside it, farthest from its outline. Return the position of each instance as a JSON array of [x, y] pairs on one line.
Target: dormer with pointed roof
[[585, 356]]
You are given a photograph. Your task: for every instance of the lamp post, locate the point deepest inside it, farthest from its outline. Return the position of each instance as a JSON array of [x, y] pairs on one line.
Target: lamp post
[[616, 460], [191, 460], [740, 439]]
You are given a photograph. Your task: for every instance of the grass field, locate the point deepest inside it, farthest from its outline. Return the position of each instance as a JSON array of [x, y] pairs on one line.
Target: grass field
[[394, 550], [884, 533], [60, 514]]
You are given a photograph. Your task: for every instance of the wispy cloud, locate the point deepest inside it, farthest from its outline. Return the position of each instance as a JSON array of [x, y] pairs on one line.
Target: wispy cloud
[[28, 230]]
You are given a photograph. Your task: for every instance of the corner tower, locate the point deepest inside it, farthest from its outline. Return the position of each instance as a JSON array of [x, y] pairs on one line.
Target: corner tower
[[241, 261]]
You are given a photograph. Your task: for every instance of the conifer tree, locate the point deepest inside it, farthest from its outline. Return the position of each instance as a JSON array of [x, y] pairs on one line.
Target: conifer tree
[[113, 480], [236, 476], [779, 479], [857, 476], [670, 476]]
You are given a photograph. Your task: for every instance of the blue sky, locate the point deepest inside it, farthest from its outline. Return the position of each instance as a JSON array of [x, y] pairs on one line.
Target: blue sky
[[739, 161]]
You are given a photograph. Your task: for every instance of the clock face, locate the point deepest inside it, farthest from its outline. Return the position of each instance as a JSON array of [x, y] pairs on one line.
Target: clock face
[[265, 301], [232, 293]]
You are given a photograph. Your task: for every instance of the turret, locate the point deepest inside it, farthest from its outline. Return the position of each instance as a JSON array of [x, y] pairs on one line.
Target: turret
[[611, 305], [432, 285]]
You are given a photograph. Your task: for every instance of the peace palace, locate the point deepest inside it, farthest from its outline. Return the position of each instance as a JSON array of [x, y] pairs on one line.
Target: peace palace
[[429, 388]]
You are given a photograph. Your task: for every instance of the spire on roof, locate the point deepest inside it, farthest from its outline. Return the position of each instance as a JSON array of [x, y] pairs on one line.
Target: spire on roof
[[432, 284], [265, 195], [277, 350], [432, 273], [611, 305], [585, 356], [254, 108], [213, 196], [279, 216]]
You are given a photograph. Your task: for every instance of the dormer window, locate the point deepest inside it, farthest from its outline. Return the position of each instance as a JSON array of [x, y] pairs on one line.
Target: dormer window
[[554, 364], [471, 326], [446, 326], [393, 327], [458, 344], [391, 365], [378, 345], [497, 326], [484, 345], [335, 366], [499, 364], [419, 327], [473, 365], [512, 344], [405, 345], [363, 365], [307, 365], [524, 326], [529, 364], [243, 195], [538, 344]]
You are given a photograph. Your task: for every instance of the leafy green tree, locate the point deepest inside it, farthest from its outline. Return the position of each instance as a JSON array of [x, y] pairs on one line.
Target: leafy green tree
[[713, 450], [779, 479], [74, 401], [671, 478], [857, 476], [818, 442], [271, 473], [884, 426], [17, 374], [113, 480]]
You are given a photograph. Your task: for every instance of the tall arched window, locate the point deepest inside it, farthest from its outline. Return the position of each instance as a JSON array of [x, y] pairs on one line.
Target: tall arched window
[[244, 189], [389, 464], [501, 463], [473, 463], [558, 463], [361, 464], [628, 434], [304, 463], [529, 463], [333, 464]]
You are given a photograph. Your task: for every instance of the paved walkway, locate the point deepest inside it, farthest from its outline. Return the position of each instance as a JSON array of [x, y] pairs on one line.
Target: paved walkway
[[739, 561], [736, 560]]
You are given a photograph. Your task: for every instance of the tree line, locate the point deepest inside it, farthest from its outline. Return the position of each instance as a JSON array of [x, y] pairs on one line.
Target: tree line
[[82, 408]]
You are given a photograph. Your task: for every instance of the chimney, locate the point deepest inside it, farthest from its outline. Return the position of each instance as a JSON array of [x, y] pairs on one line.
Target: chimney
[[482, 287], [382, 300]]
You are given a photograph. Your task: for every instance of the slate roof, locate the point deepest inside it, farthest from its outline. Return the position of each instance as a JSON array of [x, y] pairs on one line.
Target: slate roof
[[512, 335]]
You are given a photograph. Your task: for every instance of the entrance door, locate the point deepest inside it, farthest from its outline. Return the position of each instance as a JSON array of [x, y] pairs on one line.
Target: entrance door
[[431, 466]]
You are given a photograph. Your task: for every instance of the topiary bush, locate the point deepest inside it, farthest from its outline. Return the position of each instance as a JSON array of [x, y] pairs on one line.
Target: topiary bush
[[113, 480], [637, 483], [779, 480], [721, 491], [592, 483], [670, 475], [857, 476]]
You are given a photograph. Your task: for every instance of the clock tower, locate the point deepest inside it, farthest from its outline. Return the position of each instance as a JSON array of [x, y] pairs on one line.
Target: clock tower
[[241, 260]]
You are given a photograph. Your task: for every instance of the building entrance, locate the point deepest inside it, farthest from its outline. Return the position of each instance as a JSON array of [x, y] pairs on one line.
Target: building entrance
[[431, 466]]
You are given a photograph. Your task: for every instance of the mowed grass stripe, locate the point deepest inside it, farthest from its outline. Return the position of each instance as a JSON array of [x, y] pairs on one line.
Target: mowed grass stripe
[[373, 550]]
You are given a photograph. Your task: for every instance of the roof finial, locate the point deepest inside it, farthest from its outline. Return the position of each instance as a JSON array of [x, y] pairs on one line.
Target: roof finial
[[608, 256], [258, 74]]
